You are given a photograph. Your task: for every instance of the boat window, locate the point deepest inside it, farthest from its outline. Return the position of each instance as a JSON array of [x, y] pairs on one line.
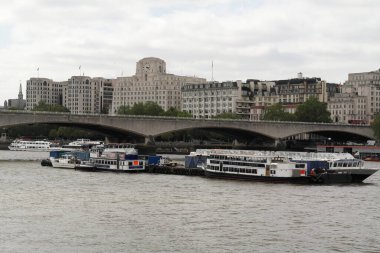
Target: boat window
[[344, 164], [272, 171], [300, 165]]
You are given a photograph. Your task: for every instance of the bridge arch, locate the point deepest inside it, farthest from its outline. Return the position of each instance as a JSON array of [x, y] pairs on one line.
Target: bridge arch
[[153, 126]]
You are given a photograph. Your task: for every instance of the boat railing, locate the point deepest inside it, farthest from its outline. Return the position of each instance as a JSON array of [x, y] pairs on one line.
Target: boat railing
[[289, 154]]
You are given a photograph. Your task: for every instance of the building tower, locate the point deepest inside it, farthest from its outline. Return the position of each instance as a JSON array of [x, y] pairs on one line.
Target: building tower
[[20, 95]]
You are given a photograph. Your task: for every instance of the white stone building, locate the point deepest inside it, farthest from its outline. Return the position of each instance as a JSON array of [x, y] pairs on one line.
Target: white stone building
[[205, 100], [150, 83], [359, 101], [43, 89], [348, 108], [82, 94], [366, 86]]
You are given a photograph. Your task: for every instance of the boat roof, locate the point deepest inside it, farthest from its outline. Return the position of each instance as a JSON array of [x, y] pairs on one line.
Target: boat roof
[[292, 155]]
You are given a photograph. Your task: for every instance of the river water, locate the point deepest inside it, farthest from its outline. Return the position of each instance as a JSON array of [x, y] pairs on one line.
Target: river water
[[43, 209]]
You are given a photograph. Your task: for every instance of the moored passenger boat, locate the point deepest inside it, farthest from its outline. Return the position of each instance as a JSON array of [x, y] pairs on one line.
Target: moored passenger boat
[[115, 161], [29, 145], [70, 160], [98, 150], [286, 167]]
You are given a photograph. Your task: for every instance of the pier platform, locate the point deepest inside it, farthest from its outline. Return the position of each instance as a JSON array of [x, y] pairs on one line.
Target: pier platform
[[176, 170]]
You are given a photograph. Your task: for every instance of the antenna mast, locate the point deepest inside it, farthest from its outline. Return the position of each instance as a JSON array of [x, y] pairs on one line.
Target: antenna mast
[[212, 71]]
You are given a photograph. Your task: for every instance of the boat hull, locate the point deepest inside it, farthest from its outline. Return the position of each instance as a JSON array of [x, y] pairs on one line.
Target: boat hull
[[326, 178], [101, 167], [104, 169], [64, 165]]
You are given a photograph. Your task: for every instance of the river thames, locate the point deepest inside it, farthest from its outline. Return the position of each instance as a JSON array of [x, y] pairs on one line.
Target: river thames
[[43, 209]]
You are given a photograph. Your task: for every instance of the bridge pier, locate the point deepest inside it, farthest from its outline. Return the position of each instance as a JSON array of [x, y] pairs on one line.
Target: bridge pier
[[279, 144], [149, 140]]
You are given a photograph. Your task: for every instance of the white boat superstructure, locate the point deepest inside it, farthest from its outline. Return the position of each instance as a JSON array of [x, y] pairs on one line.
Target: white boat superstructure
[[85, 142], [28, 145], [68, 161], [289, 154], [299, 167], [117, 158], [99, 150]]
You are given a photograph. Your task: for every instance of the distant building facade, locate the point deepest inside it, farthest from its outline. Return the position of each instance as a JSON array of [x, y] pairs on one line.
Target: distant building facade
[[360, 99], [19, 103], [206, 100], [43, 89], [258, 95], [81, 95], [150, 83], [347, 108], [255, 97]]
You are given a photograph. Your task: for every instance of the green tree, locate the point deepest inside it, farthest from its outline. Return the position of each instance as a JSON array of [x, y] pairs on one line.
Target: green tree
[[313, 111], [277, 112], [147, 108], [42, 106], [173, 112], [227, 115], [124, 109], [184, 114], [13, 109], [376, 127], [152, 108]]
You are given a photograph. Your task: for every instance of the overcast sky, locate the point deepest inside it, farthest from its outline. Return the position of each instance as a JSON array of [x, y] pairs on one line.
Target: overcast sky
[[262, 39]]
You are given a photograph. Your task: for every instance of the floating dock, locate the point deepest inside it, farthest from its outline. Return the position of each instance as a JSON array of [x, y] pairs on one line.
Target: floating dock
[[174, 169]]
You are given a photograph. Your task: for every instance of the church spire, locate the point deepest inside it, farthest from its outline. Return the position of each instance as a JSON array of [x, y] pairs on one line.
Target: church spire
[[20, 95]]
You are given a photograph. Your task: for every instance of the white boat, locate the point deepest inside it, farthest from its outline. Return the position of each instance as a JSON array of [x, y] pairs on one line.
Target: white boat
[[98, 150], [27, 145], [85, 142], [116, 161], [69, 160], [295, 167]]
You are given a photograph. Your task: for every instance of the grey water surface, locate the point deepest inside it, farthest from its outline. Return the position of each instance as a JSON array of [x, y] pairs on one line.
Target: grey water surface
[[43, 209]]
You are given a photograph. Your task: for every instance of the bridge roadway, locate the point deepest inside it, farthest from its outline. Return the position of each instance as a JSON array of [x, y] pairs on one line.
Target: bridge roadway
[[149, 126]]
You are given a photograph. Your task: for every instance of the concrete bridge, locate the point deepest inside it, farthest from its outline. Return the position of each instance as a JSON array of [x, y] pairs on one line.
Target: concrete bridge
[[149, 127]]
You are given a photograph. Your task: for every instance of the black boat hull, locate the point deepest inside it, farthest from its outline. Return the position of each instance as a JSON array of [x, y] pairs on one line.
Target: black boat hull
[[325, 178]]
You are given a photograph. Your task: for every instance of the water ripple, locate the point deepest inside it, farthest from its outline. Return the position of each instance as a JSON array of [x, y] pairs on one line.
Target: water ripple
[[56, 210]]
